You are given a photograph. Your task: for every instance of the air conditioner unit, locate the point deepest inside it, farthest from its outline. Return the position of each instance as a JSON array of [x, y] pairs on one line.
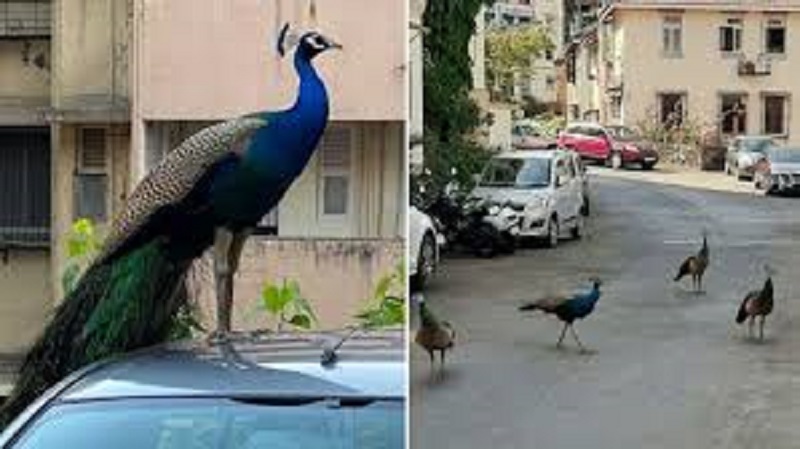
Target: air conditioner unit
[[756, 67]]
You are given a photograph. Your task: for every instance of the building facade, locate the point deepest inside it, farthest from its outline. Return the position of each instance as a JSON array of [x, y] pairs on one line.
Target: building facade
[[726, 66], [541, 82]]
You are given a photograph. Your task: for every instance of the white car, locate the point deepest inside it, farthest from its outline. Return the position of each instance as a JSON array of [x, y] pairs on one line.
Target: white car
[[551, 184], [424, 242]]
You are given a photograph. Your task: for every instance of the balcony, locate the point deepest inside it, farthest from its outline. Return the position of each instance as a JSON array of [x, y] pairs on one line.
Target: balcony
[[760, 66]]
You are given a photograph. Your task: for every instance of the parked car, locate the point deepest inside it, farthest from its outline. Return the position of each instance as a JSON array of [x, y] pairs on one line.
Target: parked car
[[262, 392], [744, 152], [424, 240], [525, 135], [779, 171], [549, 184], [615, 146]]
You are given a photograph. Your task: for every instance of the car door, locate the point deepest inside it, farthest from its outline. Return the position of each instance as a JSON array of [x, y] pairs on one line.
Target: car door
[[597, 143], [562, 190]]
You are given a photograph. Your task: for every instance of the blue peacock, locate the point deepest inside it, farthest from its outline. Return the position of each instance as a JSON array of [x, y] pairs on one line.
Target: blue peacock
[[569, 308], [211, 190]]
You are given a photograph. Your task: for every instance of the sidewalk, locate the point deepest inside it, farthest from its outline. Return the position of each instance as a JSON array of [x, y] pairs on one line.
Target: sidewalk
[[681, 176]]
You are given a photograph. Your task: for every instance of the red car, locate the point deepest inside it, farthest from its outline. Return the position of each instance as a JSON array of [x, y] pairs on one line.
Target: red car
[[615, 146]]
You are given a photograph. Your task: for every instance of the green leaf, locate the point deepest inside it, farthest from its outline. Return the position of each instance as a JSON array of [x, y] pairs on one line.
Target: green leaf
[[70, 277], [301, 321], [274, 299]]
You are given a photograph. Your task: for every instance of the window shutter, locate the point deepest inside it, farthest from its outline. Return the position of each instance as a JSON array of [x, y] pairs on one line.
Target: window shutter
[[91, 180], [335, 154], [336, 149], [92, 154]]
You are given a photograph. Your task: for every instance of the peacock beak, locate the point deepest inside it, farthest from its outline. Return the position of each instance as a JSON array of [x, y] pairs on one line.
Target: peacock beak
[[333, 45]]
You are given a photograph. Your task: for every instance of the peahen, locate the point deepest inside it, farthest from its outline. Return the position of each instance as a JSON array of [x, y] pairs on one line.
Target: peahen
[[433, 334], [568, 308], [757, 303], [211, 190], [696, 266]]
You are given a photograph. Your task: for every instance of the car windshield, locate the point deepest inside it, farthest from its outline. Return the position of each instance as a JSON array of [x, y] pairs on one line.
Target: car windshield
[[623, 133], [525, 130], [516, 172], [756, 145], [787, 155], [218, 423]]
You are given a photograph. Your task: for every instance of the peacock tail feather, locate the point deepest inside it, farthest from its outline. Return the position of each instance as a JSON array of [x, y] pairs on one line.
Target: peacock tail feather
[[117, 306]]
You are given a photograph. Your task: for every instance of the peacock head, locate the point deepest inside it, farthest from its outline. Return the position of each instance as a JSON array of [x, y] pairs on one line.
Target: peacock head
[[596, 282], [309, 45]]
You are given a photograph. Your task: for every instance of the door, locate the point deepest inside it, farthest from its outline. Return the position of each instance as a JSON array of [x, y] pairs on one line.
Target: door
[[596, 143]]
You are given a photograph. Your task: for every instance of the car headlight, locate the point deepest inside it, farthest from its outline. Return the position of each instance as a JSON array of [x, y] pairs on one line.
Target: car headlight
[[537, 204], [632, 148], [494, 209]]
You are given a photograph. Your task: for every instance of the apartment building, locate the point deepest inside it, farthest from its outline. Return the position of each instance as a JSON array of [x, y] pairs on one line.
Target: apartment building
[[728, 66], [64, 141], [540, 83]]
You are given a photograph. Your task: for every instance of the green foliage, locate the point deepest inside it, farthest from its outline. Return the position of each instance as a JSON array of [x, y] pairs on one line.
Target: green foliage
[[82, 245], [512, 50], [386, 308], [285, 303]]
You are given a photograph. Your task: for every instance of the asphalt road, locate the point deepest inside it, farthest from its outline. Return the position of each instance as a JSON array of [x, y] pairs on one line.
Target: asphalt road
[[670, 368]]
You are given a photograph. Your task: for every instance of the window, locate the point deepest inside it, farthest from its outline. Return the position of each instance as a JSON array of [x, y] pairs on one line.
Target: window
[[775, 37], [730, 36], [733, 114], [335, 160], [672, 36], [774, 108], [91, 175], [671, 109], [25, 18], [616, 106], [548, 54], [24, 186]]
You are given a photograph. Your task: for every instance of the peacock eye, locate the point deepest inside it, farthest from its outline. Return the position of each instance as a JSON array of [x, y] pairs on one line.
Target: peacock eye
[[317, 42]]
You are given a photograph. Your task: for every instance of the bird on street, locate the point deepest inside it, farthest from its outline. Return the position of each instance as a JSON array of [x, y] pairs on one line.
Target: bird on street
[[695, 266], [757, 304], [433, 334], [568, 309]]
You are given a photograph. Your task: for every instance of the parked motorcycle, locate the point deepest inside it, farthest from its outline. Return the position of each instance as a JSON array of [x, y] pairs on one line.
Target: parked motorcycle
[[484, 227]]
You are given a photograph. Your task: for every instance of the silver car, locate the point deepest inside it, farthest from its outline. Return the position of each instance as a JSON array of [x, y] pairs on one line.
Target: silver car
[[744, 152], [277, 391], [779, 171]]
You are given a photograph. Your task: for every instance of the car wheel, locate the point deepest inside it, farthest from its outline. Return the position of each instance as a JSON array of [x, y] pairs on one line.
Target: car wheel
[[486, 241], [647, 166], [615, 160], [578, 229], [426, 264], [552, 232]]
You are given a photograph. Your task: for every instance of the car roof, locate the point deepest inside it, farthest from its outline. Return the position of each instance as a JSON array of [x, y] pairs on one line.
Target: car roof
[[531, 154], [367, 365], [754, 137], [586, 124]]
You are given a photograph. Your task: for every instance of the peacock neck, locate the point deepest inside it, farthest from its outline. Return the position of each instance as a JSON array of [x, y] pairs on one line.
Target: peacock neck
[[311, 94]]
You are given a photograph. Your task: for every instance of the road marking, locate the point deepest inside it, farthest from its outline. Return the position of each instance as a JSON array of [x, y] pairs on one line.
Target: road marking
[[742, 244]]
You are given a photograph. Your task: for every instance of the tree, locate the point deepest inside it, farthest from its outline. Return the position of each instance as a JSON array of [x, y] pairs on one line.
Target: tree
[[510, 52], [450, 114]]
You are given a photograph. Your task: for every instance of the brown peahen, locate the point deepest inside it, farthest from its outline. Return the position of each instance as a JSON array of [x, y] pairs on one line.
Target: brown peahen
[[433, 334], [757, 304], [696, 266]]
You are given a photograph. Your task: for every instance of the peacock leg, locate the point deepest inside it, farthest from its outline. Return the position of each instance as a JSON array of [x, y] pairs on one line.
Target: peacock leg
[[750, 324], [563, 332], [223, 242], [227, 251], [577, 340], [761, 327], [433, 359], [442, 357]]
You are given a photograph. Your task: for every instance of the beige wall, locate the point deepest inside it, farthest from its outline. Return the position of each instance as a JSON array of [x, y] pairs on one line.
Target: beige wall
[[90, 53], [24, 298], [336, 276], [703, 72]]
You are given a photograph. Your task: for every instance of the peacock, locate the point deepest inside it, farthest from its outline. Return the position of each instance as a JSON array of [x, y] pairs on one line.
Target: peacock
[[211, 190], [433, 334], [757, 303], [696, 266], [568, 309]]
